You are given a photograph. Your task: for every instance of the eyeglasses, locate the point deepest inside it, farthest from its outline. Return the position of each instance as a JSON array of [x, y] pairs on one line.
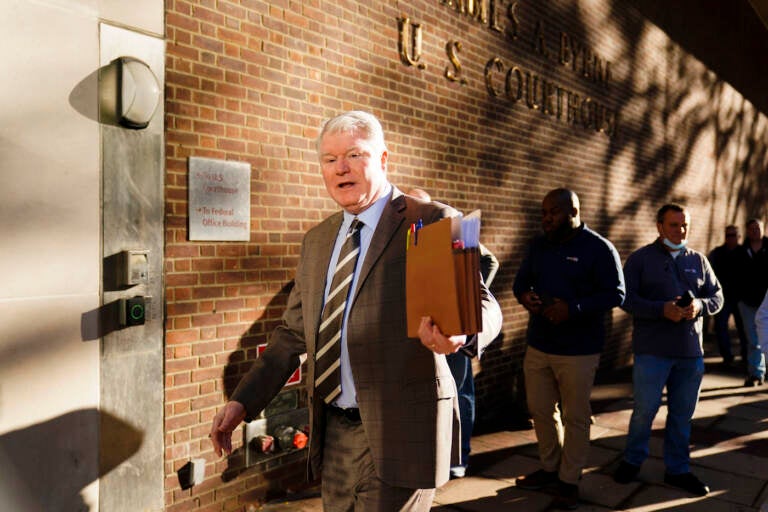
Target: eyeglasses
[[731, 235]]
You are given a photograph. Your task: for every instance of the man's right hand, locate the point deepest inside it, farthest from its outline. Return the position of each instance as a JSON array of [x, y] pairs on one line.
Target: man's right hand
[[225, 421], [672, 311], [531, 301]]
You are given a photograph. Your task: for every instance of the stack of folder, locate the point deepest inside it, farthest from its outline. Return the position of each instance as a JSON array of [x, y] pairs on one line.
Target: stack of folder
[[442, 275]]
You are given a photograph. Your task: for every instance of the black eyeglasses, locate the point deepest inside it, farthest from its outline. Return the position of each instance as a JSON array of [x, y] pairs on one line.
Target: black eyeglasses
[[731, 235]]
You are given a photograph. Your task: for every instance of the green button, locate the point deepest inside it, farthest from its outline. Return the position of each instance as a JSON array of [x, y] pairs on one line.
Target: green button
[[137, 312]]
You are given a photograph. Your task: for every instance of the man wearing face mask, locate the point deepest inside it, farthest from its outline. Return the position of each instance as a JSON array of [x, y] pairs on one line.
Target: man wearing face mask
[[669, 289]]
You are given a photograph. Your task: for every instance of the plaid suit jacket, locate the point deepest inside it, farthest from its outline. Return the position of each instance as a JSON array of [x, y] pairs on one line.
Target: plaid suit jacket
[[406, 394]]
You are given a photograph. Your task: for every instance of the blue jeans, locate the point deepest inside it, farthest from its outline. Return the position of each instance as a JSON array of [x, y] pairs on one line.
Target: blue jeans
[[682, 377], [755, 359], [723, 334], [461, 369]]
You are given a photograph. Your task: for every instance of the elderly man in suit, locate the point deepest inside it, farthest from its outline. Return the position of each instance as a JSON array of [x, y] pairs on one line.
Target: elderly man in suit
[[383, 410]]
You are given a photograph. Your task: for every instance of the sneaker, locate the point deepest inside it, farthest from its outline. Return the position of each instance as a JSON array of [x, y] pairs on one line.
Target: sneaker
[[567, 496], [458, 471], [537, 480], [687, 482], [625, 473], [753, 382]]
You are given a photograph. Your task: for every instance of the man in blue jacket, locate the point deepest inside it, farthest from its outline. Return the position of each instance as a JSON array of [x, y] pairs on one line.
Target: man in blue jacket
[[569, 280], [669, 289]]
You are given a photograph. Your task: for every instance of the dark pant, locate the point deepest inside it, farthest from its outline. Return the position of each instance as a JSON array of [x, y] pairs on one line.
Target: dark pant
[[461, 369], [349, 481]]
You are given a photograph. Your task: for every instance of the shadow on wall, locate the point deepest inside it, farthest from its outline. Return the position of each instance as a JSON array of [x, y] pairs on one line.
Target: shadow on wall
[[46, 466], [668, 110], [738, 28], [665, 114], [241, 360], [694, 106]]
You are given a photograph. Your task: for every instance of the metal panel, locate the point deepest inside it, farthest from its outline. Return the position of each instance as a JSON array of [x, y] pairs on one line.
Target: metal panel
[[132, 357]]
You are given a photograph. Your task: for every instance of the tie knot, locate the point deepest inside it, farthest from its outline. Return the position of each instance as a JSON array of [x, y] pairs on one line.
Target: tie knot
[[356, 225]]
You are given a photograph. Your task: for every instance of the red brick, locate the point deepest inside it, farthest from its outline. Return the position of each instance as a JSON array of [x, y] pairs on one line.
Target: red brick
[[207, 348], [177, 422], [206, 320], [181, 308], [179, 365], [185, 336], [180, 393], [207, 292]]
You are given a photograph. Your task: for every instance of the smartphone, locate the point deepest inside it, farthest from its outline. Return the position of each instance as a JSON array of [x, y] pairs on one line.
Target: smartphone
[[546, 299], [685, 300]]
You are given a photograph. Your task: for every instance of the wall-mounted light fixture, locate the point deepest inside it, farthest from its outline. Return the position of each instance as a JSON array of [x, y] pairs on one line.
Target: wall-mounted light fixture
[[128, 93]]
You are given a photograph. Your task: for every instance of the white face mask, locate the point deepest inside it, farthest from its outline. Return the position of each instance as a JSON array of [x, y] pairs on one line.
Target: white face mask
[[675, 247]]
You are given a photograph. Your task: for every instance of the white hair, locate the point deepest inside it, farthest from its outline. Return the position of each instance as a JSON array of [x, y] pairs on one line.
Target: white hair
[[356, 121]]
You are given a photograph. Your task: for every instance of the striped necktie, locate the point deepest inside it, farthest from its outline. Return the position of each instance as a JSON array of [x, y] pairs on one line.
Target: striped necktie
[[327, 362]]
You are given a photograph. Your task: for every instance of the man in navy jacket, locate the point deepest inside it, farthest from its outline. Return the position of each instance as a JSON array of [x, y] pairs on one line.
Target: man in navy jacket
[[669, 289], [569, 280]]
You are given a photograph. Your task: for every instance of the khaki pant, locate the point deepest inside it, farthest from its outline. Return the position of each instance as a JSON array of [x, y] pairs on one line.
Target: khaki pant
[[562, 431]]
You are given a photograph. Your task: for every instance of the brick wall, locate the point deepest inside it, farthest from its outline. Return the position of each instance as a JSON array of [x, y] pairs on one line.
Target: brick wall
[[251, 81]]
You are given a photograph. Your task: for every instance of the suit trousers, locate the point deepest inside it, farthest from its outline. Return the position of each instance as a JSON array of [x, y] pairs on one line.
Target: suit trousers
[[349, 481], [558, 390]]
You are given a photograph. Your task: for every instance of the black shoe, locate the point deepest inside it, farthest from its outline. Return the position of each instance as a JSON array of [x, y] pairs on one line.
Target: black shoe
[[753, 382], [567, 496], [625, 473], [537, 480], [687, 482]]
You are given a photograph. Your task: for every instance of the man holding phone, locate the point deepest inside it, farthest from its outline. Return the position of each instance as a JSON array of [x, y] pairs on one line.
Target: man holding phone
[[670, 287], [569, 281]]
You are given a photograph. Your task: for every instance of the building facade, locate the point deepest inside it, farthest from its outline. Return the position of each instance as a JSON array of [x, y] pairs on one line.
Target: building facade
[[485, 104]]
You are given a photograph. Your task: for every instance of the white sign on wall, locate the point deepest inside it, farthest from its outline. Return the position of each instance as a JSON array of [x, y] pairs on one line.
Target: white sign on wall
[[219, 200]]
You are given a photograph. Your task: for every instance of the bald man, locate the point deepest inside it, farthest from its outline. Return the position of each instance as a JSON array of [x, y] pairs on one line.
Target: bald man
[[569, 280]]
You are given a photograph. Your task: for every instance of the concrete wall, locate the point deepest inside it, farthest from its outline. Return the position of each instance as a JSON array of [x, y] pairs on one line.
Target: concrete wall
[[132, 357], [51, 262]]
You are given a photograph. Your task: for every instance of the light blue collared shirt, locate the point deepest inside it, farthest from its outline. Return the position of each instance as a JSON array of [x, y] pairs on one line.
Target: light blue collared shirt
[[370, 219]]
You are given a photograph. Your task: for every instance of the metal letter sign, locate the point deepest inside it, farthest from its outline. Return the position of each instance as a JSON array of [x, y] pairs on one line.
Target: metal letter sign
[[219, 200], [410, 39]]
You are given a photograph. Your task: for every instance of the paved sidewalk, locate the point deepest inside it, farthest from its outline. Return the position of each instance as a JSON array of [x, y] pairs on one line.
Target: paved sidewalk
[[730, 453]]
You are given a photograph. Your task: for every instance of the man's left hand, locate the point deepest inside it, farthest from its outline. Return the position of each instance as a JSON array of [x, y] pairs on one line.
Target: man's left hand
[[692, 310], [432, 337]]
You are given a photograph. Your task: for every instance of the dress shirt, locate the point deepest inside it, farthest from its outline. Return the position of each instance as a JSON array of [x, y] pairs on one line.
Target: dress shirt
[[370, 218]]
